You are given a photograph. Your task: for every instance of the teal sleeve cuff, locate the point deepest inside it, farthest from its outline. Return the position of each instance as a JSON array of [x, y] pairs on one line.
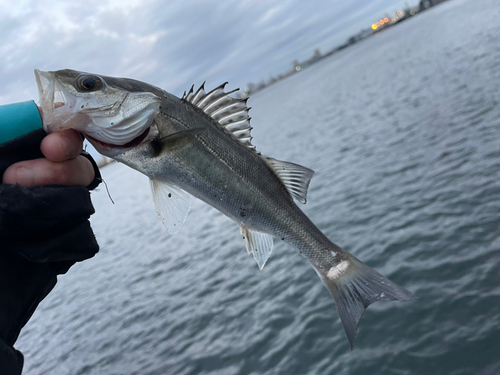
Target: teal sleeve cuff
[[18, 119]]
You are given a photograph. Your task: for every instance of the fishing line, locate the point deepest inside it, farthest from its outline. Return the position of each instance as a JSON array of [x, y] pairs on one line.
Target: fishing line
[[109, 195]]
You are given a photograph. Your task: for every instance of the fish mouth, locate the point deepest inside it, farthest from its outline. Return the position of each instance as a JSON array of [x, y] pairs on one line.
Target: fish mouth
[[51, 95], [55, 101], [45, 85]]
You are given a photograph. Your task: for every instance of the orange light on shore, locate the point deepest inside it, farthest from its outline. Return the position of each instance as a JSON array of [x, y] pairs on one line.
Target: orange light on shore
[[382, 22], [386, 20]]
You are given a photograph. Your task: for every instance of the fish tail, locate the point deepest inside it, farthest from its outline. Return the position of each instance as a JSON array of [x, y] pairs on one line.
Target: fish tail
[[354, 286]]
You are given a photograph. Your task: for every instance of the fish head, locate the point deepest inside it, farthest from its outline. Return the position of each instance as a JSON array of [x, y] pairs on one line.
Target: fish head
[[113, 113]]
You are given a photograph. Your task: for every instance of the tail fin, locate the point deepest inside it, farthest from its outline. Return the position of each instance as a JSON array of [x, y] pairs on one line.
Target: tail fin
[[354, 287]]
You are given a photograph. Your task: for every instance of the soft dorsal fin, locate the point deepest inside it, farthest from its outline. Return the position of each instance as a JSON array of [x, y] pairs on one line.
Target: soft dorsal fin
[[230, 113], [259, 244], [296, 178], [172, 204]]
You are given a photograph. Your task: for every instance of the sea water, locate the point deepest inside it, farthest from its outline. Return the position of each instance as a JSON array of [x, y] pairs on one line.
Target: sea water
[[403, 131]]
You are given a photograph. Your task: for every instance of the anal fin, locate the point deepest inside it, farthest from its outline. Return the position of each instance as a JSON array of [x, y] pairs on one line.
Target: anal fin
[[259, 244], [171, 203]]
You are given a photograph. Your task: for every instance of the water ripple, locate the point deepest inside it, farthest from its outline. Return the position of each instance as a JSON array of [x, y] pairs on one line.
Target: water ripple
[[405, 147]]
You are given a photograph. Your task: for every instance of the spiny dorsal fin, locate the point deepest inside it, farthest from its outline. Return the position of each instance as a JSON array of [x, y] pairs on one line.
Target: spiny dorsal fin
[[296, 178], [230, 113]]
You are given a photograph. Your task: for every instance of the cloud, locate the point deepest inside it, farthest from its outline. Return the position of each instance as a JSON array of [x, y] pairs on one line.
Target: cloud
[[171, 44]]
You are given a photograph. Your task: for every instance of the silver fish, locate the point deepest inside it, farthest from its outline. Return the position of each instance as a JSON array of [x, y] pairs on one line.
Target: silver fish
[[201, 145]]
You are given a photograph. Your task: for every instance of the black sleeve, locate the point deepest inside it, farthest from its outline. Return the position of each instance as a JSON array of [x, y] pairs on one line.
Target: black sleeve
[[43, 232], [26, 147]]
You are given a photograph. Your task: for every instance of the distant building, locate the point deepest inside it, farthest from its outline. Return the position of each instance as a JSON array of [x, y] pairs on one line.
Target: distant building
[[296, 65], [425, 4], [316, 56]]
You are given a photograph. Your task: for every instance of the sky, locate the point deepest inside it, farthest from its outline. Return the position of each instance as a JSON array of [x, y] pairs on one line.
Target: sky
[[172, 44]]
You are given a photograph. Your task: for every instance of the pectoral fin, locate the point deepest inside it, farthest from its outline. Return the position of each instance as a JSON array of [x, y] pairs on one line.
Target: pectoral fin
[[174, 141], [172, 204], [260, 245]]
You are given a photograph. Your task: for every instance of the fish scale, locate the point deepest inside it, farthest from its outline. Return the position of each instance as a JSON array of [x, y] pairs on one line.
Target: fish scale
[[201, 145]]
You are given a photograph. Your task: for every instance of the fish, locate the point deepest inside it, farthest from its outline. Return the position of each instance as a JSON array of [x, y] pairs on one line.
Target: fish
[[201, 145]]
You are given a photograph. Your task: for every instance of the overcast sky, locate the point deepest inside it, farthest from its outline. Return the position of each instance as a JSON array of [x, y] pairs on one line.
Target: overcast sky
[[172, 44]]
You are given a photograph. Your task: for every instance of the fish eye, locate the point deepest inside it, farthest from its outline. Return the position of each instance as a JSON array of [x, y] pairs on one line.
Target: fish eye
[[88, 83]]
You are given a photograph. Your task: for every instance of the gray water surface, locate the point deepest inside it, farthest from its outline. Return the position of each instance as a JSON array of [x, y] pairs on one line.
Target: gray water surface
[[403, 131]]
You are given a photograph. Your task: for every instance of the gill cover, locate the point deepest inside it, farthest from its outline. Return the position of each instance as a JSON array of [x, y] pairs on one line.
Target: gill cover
[[85, 102]]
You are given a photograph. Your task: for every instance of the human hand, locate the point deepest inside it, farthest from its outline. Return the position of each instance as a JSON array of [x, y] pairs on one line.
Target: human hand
[[63, 164]]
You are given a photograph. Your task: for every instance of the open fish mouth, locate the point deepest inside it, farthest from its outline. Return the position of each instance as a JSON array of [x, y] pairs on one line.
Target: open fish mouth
[[52, 98], [45, 84]]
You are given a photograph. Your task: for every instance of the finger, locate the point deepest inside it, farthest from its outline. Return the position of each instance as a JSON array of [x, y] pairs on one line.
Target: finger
[[77, 171], [63, 145]]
